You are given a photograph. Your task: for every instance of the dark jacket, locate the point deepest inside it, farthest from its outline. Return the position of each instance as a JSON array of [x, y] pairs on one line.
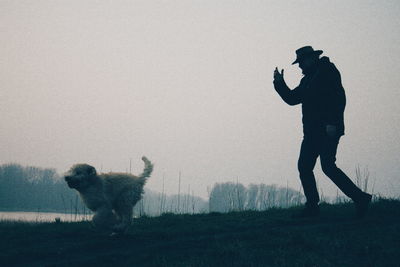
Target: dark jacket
[[322, 97]]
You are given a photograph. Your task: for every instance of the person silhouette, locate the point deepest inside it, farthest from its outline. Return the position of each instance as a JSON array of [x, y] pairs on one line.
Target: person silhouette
[[323, 102]]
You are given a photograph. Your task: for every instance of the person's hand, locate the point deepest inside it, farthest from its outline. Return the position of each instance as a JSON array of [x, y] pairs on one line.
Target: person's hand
[[331, 130], [278, 76]]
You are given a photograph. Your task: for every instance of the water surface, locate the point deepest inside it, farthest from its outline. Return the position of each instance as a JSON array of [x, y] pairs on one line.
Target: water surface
[[42, 216]]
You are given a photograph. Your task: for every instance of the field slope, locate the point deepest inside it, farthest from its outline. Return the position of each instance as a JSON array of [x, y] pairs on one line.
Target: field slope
[[269, 238]]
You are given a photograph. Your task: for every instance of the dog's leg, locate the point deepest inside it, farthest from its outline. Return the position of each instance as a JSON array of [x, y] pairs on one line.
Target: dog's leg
[[124, 210], [104, 218], [126, 221]]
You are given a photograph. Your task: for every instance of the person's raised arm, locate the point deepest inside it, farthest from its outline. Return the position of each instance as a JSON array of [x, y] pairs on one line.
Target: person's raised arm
[[291, 97]]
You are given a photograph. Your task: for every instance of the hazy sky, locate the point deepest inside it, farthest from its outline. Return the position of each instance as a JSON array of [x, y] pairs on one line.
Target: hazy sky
[[189, 85]]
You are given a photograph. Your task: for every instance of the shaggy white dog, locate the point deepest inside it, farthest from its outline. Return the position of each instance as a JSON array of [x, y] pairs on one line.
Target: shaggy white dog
[[111, 196]]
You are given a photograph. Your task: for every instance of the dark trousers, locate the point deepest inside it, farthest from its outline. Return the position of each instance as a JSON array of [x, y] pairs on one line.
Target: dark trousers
[[325, 147]]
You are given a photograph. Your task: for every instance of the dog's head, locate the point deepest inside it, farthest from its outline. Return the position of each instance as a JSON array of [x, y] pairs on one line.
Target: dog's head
[[80, 176]]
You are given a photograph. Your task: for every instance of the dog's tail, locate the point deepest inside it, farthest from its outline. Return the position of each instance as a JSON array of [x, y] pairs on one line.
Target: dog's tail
[[148, 169]]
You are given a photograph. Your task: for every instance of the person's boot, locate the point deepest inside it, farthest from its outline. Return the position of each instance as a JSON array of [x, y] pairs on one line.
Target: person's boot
[[309, 211], [362, 205]]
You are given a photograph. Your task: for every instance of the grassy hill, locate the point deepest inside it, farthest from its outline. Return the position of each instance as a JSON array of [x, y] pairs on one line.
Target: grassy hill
[[269, 238]]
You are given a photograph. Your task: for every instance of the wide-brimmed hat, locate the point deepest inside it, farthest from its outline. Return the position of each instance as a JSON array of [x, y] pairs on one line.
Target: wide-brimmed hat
[[304, 52]]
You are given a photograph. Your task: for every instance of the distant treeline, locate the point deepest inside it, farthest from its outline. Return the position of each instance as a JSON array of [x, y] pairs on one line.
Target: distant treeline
[[227, 197], [37, 189]]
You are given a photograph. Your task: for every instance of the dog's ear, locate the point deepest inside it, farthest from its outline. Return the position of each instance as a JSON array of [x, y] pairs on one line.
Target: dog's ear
[[92, 171]]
